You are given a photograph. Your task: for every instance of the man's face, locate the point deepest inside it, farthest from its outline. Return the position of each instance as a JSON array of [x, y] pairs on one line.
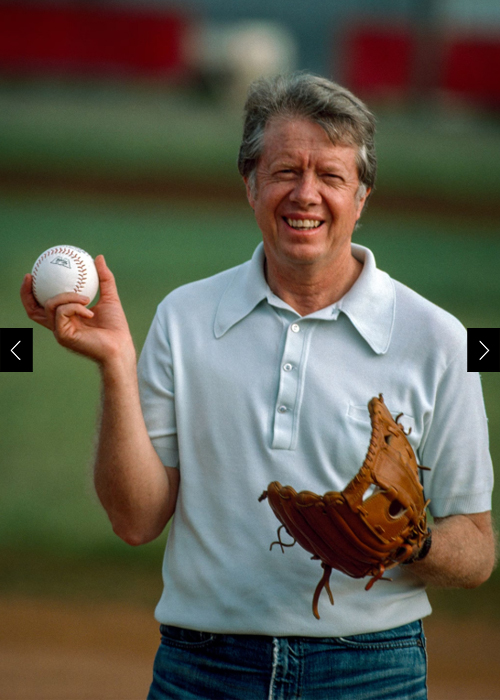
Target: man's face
[[305, 199]]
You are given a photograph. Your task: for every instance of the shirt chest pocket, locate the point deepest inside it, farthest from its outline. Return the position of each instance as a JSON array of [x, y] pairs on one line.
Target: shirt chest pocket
[[360, 415]]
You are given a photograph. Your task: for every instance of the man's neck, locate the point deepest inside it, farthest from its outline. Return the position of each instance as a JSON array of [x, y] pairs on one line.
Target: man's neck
[[308, 288]]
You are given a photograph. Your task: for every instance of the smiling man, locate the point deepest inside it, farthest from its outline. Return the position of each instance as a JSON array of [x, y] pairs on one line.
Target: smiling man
[[264, 373], [307, 198]]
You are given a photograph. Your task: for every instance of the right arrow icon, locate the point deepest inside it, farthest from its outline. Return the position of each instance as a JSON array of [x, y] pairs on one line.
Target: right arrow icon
[[483, 350], [487, 350]]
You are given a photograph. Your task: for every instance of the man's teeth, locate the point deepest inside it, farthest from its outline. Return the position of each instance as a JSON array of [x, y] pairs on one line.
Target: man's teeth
[[303, 223]]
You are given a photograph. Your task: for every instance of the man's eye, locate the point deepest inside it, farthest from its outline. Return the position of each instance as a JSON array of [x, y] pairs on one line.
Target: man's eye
[[285, 173]]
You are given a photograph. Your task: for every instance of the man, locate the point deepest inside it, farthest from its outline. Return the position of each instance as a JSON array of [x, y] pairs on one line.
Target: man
[[263, 373]]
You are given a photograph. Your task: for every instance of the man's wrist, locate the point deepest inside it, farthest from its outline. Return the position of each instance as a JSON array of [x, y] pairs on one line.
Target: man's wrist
[[120, 366], [423, 551]]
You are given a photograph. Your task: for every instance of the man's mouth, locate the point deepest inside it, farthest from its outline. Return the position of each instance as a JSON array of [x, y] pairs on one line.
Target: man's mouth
[[303, 224]]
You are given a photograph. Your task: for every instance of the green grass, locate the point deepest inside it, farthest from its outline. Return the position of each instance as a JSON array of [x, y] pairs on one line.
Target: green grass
[[447, 262], [48, 418], [129, 133], [119, 133], [439, 157]]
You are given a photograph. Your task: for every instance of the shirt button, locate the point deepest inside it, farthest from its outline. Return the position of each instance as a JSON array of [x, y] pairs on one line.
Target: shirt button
[[288, 367], [295, 327], [282, 409]]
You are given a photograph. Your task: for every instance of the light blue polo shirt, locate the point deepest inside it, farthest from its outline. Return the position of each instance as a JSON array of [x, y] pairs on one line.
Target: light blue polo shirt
[[238, 390]]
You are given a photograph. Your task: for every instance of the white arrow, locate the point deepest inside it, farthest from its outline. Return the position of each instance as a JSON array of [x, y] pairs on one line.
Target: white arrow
[[15, 346], [487, 350]]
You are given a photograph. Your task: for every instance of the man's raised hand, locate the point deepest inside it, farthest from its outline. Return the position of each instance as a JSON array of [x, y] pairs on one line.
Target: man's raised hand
[[100, 333]]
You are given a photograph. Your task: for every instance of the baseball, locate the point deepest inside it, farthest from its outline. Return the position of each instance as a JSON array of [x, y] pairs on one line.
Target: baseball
[[64, 268]]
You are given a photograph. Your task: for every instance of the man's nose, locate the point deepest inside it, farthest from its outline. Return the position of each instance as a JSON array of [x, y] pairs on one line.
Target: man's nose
[[306, 190]]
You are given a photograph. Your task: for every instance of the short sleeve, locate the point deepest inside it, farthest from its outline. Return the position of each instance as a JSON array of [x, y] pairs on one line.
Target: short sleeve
[[456, 445], [156, 387]]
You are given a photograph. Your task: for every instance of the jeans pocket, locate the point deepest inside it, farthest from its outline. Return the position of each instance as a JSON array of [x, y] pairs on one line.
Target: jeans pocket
[[410, 635], [185, 638]]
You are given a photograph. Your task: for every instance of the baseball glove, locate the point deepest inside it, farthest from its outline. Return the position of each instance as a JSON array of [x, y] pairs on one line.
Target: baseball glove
[[375, 523]]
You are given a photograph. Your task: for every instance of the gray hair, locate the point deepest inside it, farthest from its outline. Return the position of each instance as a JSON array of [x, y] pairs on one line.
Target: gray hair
[[346, 120]]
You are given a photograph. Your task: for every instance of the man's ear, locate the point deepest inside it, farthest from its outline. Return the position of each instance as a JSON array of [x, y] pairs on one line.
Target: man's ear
[[362, 201], [250, 194]]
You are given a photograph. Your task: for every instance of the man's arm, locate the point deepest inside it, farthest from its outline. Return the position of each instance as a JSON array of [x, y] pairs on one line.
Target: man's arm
[[136, 490], [463, 552]]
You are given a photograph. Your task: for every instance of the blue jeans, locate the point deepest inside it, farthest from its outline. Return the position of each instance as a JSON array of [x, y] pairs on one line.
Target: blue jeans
[[193, 665]]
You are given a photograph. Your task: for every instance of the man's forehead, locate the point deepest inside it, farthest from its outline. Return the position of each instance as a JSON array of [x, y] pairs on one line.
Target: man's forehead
[[289, 137], [338, 155], [326, 157]]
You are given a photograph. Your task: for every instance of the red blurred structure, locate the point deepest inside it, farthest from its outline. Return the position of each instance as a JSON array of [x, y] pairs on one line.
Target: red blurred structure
[[380, 62], [472, 69], [88, 40]]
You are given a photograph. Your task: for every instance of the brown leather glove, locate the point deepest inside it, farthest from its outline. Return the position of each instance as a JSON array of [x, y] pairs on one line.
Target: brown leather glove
[[375, 523]]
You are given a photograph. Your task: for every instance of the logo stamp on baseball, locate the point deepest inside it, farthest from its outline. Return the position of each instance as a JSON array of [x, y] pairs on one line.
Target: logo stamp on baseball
[[64, 268]]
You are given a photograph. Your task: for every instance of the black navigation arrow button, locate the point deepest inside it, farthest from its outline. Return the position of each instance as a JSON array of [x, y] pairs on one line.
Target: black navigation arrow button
[[483, 349], [16, 349]]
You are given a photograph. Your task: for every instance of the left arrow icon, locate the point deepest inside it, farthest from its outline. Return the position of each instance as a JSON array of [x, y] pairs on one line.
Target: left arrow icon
[[12, 349], [16, 351]]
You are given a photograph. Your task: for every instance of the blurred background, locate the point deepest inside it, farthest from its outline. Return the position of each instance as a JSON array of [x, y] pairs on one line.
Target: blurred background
[[120, 124]]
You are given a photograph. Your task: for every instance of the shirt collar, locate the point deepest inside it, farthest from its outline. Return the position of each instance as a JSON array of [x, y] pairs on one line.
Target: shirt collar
[[247, 288], [369, 304]]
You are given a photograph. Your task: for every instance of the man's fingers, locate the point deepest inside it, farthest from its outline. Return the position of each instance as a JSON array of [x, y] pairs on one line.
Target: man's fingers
[[27, 297], [67, 299], [106, 279], [32, 307], [63, 299], [29, 301], [63, 324], [68, 310]]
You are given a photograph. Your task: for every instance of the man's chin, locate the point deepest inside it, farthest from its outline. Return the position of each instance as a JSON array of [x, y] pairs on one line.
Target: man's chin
[[305, 253]]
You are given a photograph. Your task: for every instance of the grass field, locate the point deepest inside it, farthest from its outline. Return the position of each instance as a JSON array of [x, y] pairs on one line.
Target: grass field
[[48, 417], [126, 133]]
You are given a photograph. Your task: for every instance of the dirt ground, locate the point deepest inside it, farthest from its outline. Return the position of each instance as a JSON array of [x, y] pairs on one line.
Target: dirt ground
[[53, 650]]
